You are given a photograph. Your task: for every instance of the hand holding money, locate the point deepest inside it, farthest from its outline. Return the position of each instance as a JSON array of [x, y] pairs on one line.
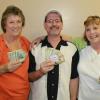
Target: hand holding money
[[46, 66], [16, 58], [54, 55], [17, 55], [12, 66]]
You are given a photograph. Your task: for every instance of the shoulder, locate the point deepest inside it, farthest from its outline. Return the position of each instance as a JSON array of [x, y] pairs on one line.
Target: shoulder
[[24, 39], [71, 46], [1, 37], [25, 42], [1, 40], [2, 44], [85, 52]]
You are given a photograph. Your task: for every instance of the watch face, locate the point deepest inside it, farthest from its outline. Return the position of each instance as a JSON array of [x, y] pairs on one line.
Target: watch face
[[54, 55], [18, 55]]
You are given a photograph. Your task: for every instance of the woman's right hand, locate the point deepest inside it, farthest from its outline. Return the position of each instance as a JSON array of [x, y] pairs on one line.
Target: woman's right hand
[[9, 67], [12, 66]]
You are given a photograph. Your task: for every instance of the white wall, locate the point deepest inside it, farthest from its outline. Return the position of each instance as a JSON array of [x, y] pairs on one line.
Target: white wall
[[74, 13]]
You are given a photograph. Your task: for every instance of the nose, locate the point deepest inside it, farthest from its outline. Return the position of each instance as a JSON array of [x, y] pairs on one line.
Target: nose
[[15, 24], [92, 30], [54, 22]]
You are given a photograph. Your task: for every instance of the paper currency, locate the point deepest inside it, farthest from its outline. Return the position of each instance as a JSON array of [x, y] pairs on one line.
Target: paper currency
[[18, 55], [54, 55]]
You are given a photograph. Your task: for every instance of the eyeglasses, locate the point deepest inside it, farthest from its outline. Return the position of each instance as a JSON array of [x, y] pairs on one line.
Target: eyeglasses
[[52, 21]]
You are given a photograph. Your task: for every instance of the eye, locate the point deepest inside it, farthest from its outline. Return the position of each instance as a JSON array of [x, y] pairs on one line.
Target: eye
[[87, 30], [19, 21], [57, 21], [11, 22], [95, 28], [49, 21]]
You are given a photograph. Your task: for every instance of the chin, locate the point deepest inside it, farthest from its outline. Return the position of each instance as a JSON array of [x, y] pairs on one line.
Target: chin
[[16, 35], [53, 33]]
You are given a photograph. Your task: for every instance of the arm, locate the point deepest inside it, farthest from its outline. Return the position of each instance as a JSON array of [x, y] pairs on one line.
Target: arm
[[35, 75], [74, 77], [10, 67], [74, 88], [3, 69]]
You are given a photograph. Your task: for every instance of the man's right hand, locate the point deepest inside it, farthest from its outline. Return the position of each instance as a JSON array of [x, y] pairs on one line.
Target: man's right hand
[[46, 66]]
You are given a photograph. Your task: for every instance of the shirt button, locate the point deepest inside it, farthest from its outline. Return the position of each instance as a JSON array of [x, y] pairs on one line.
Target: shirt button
[[52, 96], [53, 84], [53, 72]]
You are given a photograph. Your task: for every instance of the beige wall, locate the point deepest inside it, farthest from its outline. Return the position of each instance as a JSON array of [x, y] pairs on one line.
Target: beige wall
[[74, 13]]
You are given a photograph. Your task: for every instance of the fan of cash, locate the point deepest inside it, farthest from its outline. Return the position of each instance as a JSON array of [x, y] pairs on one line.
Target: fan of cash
[[54, 55], [18, 55]]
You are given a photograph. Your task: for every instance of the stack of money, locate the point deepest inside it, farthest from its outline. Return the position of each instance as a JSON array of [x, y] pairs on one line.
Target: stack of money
[[17, 55], [54, 55]]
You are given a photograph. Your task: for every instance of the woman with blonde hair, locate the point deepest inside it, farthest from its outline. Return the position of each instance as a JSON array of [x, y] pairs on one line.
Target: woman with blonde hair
[[89, 64]]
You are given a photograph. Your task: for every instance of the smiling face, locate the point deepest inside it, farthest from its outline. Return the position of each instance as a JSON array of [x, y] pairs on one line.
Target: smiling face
[[12, 20], [93, 33], [92, 29], [13, 25], [53, 24]]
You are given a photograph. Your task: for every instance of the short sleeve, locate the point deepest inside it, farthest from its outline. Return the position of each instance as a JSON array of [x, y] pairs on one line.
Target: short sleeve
[[26, 42], [75, 60], [32, 63]]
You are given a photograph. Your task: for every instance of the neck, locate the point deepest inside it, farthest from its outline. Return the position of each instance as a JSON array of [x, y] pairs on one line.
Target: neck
[[54, 40], [13, 43], [96, 47], [9, 38]]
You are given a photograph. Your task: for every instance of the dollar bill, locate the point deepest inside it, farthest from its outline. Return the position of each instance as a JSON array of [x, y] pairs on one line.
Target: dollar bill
[[54, 55], [18, 55]]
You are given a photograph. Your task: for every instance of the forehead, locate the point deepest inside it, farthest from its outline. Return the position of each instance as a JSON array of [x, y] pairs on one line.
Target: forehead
[[53, 16], [92, 25], [89, 22], [13, 17]]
